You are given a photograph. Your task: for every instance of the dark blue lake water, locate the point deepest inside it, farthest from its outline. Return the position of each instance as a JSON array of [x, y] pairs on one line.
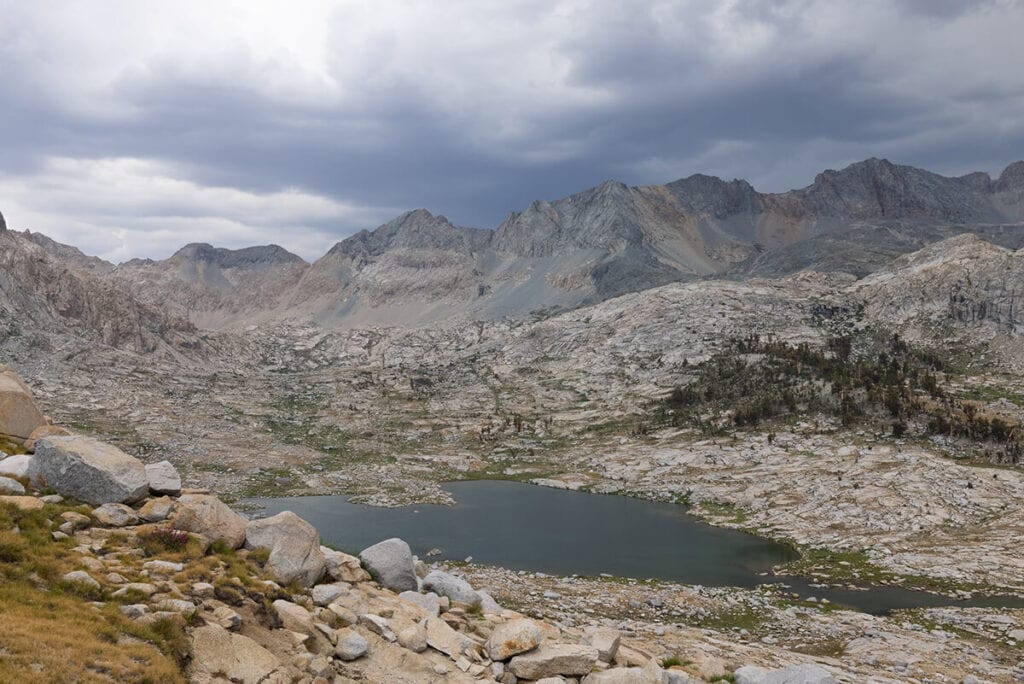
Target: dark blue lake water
[[526, 527]]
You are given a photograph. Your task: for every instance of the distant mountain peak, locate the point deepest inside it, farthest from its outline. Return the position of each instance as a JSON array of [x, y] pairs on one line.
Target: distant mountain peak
[[246, 257], [1012, 177]]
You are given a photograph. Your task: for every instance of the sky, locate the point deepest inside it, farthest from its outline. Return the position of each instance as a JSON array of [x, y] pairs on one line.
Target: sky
[[130, 128]]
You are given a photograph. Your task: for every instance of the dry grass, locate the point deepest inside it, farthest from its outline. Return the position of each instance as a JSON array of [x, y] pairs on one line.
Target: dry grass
[[11, 446], [52, 634], [50, 637]]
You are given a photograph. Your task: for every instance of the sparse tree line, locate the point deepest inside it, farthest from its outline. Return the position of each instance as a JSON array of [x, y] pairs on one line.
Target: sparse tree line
[[868, 379]]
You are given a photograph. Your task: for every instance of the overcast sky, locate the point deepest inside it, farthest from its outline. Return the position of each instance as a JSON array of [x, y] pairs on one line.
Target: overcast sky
[[131, 128]]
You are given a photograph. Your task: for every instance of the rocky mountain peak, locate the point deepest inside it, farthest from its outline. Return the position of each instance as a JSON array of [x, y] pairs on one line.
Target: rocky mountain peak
[[3, 223], [878, 189], [417, 229], [712, 196], [1012, 177], [247, 257]]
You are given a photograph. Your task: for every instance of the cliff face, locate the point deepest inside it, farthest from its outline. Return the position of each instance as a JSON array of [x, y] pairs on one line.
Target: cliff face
[[963, 283], [42, 295]]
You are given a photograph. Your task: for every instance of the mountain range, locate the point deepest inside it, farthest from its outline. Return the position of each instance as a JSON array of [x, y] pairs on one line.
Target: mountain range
[[612, 239]]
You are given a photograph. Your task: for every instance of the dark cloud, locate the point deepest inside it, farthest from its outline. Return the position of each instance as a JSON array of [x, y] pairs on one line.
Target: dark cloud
[[546, 102]]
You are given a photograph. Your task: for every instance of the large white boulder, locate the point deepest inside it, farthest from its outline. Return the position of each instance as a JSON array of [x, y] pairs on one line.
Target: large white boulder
[[209, 516], [88, 469], [294, 547], [390, 562], [19, 415]]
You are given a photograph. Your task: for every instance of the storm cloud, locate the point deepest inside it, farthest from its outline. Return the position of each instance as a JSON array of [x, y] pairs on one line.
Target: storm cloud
[[130, 128]]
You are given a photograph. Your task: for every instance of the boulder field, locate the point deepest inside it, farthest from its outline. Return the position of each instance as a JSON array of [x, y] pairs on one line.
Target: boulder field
[[305, 613]]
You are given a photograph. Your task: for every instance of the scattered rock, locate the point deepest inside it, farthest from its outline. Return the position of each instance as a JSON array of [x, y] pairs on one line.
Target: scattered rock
[[176, 606], [455, 588], [606, 641], [115, 515], [224, 617], [9, 486], [390, 562], [378, 625], [488, 604], [414, 638], [162, 567], [88, 469], [295, 617], [157, 510], [163, 478], [208, 516], [325, 594], [81, 577], [428, 602], [442, 637], [351, 645], [652, 673], [294, 546], [343, 567], [144, 588]]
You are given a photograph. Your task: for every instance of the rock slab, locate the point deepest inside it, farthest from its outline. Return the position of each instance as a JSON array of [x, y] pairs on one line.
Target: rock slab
[[88, 469], [551, 661], [219, 655], [796, 674]]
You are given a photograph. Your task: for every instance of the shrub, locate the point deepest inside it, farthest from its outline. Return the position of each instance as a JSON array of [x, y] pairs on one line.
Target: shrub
[[164, 539]]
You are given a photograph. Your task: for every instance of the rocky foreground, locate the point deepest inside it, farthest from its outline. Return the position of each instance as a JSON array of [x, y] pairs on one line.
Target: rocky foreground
[[263, 601]]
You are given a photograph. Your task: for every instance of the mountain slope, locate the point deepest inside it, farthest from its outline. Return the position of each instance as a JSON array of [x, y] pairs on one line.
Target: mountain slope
[[556, 255]]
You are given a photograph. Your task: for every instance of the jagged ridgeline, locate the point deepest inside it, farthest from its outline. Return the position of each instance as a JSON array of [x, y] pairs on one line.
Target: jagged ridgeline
[[870, 379]]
